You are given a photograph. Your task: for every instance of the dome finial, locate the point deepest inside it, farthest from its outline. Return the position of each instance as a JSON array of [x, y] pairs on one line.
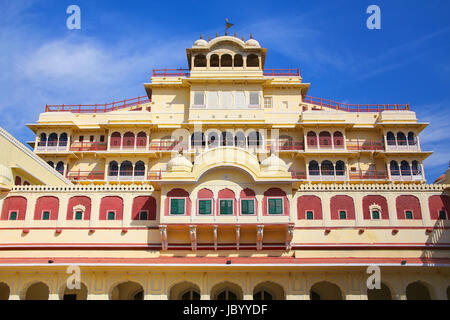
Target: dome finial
[[235, 34], [217, 34], [242, 38], [209, 38], [201, 36], [251, 36]]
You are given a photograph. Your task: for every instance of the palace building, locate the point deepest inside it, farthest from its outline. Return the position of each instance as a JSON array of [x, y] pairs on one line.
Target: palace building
[[225, 181]]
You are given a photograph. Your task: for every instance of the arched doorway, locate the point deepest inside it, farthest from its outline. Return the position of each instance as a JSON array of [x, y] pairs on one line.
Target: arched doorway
[[37, 291], [384, 293], [226, 291], [75, 294], [325, 290], [268, 291], [127, 291], [184, 291], [417, 291], [4, 291]]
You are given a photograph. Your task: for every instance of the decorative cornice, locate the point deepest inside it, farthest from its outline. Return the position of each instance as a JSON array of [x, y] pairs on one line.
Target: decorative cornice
[[84, 188], [372, 187]]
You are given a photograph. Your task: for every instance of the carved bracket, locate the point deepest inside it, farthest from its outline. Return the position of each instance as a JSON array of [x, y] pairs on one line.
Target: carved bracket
[[259, 237], [215, 237], [193, 235], [163, 234], [238, 236], [289, 236]]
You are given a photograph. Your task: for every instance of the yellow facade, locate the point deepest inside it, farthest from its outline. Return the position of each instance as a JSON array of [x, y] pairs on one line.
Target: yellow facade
[[226, 181]]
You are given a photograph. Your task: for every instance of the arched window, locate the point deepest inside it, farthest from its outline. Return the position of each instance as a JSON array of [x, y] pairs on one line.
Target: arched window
[[226, 294], [126, 169], [239, 139], [340, 168], [141, 140], [42, 140], [18, 181], [405, 168], [227, 138], [200, 60], [401, 139], [191, 294], [311, 139], [417, 291], [184, 291], [314, 168], [325, 139], [113, 169], [128, 140], [213, 140], [252, 60], [411, 139], [51, 164], [338, 140], [390, 138], [214, 60], [60, 167], [238, 62], [415, 168], [325, 290], [268, 291], [116, 140], [52, 140], [63, 140], [254, 139], [394, 168], [139, 169], [327, 168], [198, 139], [226, 61]]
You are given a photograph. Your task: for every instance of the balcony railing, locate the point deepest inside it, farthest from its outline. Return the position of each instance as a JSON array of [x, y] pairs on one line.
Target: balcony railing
[[88, 146], [325, 147], [171, 73], [282, 145], [354, 107], [298, 175], [274, 72], [406, 175], [281, 72], [167, 145], [86, 175], [402, 145], [327, 175], [51, 146], [365, 145], [98, 108], [368, 175]]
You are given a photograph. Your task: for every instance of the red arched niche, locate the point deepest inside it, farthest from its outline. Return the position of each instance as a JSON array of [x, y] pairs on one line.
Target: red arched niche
[[79, 200], [340, 203], [248, 193], [378, 200], [226, 194], [147, 203], [178, 193], [18, 181], [437, 203], [309, 203], [111, 204], [18, 204], [275, 192], [47, 203], [408, 203], [205, 194]]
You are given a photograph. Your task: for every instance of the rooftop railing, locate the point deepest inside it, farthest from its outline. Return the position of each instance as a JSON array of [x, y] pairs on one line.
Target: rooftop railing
[[354, 107], [273, 72], [98, 108]]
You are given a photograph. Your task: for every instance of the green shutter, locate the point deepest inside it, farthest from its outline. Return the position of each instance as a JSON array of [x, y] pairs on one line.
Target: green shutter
[[143, 215], [111, 215], [342, 215], [226, 206], [248, 207], [275, 206], [309, 215], [78, 215], [46, 215], [442, 215], [375, 214], [177, 206], [13, 215], [204, 206], [408, 215]]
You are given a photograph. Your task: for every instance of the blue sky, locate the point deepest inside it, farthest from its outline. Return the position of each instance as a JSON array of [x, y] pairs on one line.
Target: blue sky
[[120, 42]]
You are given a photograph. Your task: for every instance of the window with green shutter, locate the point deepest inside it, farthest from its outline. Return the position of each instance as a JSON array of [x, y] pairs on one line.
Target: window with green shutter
[[111, 215], [309, 215], [204, 206], [408, 215], [143, 215], [248, 206], [79, 215], [442, 215], [177, 206], [276, 206], [226, 206], [375, 214], [46, 215], [342, 215], [13, 215]]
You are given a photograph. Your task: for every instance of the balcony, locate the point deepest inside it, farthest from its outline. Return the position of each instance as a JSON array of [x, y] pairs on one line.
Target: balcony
[[167, 145], [402, 145], [99, 108], [327, 175], [285, 145], [137, 175], [185, 73], [330, 147], [85, 175], [406, 175], [51, 146], [353, 107], [365, 145], [88, 146], [368, 175], [298, 175]]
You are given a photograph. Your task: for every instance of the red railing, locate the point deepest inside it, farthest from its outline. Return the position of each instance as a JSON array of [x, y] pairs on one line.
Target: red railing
[[154, 175], [98, 108], [285, 145], [171, 73], [281, 72], [166, 145], [365, 145], [368, 175], [354, 107], [298, 175], [88, 146], [86, 175]]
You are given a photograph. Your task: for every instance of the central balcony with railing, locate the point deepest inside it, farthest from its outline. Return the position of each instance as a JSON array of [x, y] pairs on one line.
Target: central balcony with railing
[[126, 175]]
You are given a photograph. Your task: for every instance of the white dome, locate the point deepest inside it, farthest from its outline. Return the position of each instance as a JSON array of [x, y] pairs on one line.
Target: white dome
[[6, 176], [200, 43], [252, 43], [273, 163], [179, 163]]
